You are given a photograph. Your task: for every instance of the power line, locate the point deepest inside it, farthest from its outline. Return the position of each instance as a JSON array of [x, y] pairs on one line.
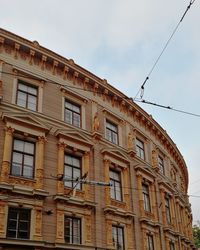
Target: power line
[[102, 93], [141, 90], [167, 107]]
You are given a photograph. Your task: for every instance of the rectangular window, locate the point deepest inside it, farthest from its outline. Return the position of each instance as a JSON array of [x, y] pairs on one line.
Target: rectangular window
[[23, 158], [72, 230], [140, 149], [72, 113], [167, 209], [146, 197], [171, 246], [27, 96], [18, 226], [111, 132], [115, 189], [150, 243], [72, 171], [118, 237], [161, 165]]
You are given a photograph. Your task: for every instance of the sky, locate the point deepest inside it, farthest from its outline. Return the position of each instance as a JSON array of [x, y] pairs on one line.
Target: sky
[[120, 40]]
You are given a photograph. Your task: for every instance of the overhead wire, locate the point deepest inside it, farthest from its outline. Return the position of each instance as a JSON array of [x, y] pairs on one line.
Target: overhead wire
[[141, 90], [106, 94], [166, 107]]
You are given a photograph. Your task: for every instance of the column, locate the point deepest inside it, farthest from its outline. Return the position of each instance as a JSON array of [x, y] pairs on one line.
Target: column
[[5, 169], [109, 234], [2, 219], [88, 229], [174, 222], [126, 188], [153, 199], [141, 202], [86, 164], [37, 234], [60, 226], [40, 162], [60, 167], [163, 207], [157, 241], [107, 180]]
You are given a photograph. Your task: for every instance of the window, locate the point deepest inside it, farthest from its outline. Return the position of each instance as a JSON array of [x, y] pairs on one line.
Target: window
[[146, 197], [72, 171], [150, 243], [140, 149], [27, 96], [72, 230], [23, 157], [118, 237], [111, 132], [115, 189], [18, 226], [161, 165], [72, 113], [171, 246], [167, 209]]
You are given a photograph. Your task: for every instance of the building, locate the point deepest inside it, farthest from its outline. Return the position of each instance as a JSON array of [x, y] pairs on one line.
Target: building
[[61, 125]]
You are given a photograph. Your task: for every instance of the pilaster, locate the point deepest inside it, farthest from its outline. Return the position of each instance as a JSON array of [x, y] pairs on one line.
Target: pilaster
[[86, 164], [5, 169], [107, 180], [60, 167], [40, 162]]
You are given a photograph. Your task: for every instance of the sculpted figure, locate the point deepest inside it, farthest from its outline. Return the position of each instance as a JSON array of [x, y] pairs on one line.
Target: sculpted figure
[[130, 140], [96, 122], [154, 158]]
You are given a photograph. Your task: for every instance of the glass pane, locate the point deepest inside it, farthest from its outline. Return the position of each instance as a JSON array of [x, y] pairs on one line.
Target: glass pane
[[32, 90], [17, 158], [11, 233], [28, 172], [68, 160], [21, 99], [77, 173], [29, 147], [68, 116], [28, 160], [18, 145], [23, 87], [76, 162], [16, 169], [115, 140], [76, 109], [112, 191], [23, 235], [12, 213], [76, 120], [32, 103], [24, 215], [12, 224], [108, 135], [68, 105], [68, 172]]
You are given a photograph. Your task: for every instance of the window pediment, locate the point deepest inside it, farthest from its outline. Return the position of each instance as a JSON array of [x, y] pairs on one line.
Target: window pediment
[[18, 120], [115, 155], [74, 139]]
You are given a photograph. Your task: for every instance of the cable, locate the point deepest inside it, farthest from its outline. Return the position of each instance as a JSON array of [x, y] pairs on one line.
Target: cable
[[167, 107], [106, 94], [141, 90]]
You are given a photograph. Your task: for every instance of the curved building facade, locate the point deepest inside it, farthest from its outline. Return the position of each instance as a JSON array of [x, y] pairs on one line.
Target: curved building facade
[[81, 165]]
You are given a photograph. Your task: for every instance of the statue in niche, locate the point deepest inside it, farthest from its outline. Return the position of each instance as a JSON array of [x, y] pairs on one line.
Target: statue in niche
[[173, 174], [96, 122], [154, 158], [130, 140]]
